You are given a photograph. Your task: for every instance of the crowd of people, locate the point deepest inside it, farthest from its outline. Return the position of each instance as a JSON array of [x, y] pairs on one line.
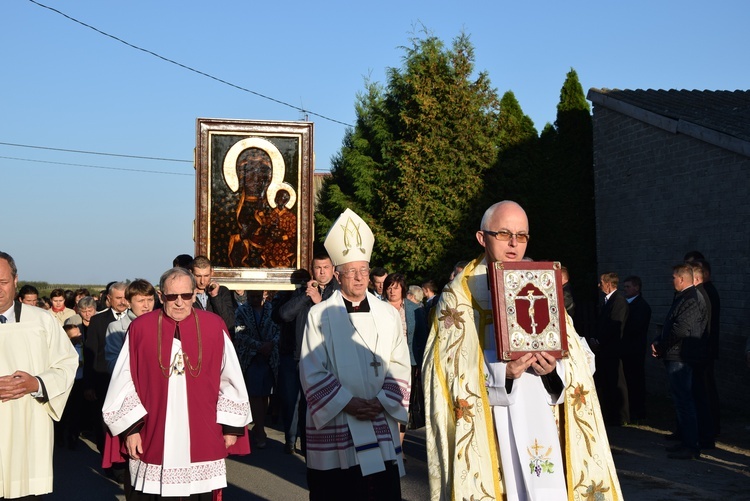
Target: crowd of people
[[169, 379], [687, 343]]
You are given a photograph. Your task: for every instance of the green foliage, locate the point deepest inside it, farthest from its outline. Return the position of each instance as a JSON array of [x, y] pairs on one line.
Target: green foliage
[[566, 190], [45, 288], [416, 158], [434, 147]]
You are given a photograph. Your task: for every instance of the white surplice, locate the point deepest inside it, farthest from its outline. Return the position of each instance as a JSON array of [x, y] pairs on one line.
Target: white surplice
[[37, 345]]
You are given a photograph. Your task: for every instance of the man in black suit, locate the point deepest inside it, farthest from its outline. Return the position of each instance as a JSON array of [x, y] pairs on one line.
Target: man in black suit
[[96, 374], [609, 376], [634, 346], [211, 296], [704, 286]]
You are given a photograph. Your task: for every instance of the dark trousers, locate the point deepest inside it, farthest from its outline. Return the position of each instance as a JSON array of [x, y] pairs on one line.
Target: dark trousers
[[349, 484], [139, 496], [634, 368], [712, 393], [689, 397], [612, 390], [289, 391]]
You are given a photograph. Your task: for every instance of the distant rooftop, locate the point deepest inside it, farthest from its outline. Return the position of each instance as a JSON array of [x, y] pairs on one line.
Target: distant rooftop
[[718, 117]]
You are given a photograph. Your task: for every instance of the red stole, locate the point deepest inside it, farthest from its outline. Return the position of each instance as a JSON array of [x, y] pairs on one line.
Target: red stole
[[206, 437]]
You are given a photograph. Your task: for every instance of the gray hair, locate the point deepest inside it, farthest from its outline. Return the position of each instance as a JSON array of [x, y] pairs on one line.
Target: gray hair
[[417, 292], [173, 273], [118, 286], [86, 302]]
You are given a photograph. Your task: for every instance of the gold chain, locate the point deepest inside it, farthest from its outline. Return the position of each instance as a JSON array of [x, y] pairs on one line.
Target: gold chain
[[167, 371]]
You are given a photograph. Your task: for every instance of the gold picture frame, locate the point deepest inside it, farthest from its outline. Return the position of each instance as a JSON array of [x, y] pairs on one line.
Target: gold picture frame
[[254, 200]]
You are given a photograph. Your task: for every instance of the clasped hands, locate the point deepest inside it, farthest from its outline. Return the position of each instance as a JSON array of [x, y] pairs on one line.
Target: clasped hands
[[364, 410], [540, 362], [17, 385]]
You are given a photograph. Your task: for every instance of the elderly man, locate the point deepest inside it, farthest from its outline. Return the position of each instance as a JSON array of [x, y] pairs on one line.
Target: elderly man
[[177, 397], [37, 368], [491, 425], [355, 373]]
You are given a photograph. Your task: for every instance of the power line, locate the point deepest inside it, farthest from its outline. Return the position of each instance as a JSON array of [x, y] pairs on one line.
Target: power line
[[97, 166], [188, 67], [95, 153]]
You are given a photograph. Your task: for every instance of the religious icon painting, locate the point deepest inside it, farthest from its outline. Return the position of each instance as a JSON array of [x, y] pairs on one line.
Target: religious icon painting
[[528, 308], [254, 200]]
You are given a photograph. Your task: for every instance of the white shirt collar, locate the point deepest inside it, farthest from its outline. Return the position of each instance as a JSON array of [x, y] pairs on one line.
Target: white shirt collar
[[10, 314]]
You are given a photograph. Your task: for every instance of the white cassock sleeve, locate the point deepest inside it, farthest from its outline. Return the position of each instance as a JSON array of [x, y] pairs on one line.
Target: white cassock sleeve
[[122, 407], [233, 407]]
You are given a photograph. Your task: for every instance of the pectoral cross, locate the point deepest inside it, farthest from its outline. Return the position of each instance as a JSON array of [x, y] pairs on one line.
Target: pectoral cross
[[375, 364]]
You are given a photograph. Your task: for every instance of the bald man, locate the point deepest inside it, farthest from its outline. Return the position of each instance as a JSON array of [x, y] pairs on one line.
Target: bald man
[[486, 416]]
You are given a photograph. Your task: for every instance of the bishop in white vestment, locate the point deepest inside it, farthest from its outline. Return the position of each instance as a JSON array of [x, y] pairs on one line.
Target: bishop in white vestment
[[355, 371]]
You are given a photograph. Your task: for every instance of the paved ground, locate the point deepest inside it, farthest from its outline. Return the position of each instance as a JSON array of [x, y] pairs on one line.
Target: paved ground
[[645, 472]]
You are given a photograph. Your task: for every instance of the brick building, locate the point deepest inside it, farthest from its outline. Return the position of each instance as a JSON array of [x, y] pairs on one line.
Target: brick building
[[671, 175]]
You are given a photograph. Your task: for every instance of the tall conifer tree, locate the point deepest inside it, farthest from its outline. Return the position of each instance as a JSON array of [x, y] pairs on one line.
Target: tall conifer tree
[[416, 159]]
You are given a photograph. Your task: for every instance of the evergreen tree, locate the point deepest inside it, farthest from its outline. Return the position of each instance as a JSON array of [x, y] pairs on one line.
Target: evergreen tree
[[564, 229], [415, 161], [514, 171]]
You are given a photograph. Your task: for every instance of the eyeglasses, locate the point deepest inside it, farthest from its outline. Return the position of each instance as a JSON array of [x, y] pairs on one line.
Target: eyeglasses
[[362, 272], [505, 236], [186, 296]]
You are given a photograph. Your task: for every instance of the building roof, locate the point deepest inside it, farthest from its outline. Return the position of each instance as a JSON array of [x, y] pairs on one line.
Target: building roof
[[718, 117]]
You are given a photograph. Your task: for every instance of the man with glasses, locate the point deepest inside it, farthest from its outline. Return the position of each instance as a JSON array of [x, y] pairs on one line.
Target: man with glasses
[[177, 398], [355, 371], [492, 428]]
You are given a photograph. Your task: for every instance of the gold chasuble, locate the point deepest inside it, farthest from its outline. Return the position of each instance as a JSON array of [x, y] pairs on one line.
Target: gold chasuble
[[510, 449]]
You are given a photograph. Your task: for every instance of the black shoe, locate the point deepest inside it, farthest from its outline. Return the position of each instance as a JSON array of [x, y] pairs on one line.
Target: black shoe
[[674, 448], [708, 445], [684, 453]]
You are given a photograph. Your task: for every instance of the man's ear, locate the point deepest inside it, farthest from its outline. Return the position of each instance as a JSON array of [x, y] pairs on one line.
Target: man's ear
[[480, 237]]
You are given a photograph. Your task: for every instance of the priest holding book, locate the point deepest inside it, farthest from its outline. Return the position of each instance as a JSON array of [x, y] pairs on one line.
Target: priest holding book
[[524, 429]]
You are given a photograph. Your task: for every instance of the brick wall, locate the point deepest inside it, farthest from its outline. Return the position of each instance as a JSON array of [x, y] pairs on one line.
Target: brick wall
[[659, 195]]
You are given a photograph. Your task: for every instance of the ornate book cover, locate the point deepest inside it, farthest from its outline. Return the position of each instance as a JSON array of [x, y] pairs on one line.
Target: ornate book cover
[[528, 308]]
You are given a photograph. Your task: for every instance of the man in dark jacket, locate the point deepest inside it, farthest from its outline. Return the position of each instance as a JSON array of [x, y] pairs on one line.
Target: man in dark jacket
[[295, 310], [609, 376], [211, 296], [682, 346], [634, 345]]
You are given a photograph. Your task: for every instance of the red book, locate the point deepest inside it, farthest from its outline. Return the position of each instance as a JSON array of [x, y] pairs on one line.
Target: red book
[[528, 308]]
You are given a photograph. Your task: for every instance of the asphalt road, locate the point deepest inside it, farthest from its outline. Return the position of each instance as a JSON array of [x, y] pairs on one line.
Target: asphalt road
[[645, 472]]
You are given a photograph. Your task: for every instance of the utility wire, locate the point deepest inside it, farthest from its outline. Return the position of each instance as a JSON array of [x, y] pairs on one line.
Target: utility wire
[[94, 153], [98, 166], [190, 68]]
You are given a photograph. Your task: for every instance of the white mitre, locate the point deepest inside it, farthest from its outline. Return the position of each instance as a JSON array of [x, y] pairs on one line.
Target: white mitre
[[349, 239]]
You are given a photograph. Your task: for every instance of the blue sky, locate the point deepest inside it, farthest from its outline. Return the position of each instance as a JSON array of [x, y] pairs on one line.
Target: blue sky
[[66, 86]]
